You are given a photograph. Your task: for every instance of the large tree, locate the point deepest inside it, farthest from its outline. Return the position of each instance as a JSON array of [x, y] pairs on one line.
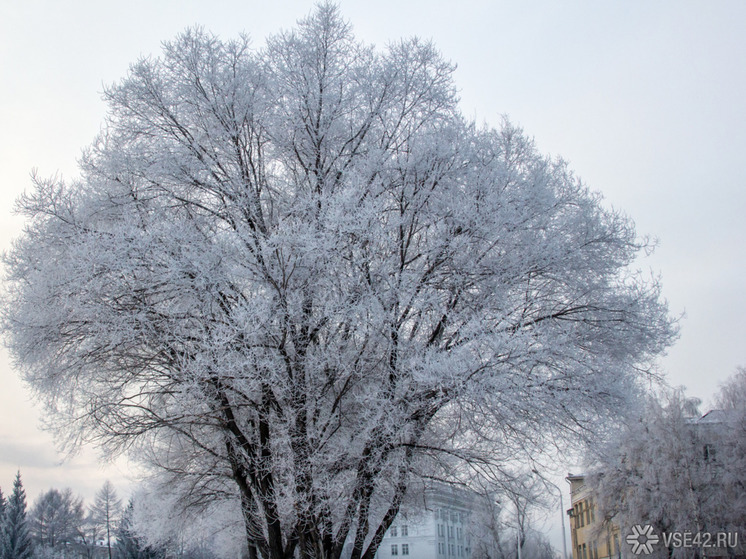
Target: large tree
[[677, 471], [298, 278]]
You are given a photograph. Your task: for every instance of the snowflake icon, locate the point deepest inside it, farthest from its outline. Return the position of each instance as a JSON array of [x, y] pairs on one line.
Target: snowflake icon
[[642, 539]]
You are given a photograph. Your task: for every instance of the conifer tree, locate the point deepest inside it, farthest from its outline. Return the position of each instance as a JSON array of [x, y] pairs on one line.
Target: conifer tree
[[129, 545], [105, 511], [15, 539], [55, 521], [2, 521]]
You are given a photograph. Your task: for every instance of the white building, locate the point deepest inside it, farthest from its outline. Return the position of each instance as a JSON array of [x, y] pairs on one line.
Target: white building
[[437, 528]]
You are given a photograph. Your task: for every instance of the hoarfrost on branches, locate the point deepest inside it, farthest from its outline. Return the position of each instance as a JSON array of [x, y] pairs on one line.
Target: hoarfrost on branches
[[105, 512], [296, 277], [677, 471], [652, 471], [56, 521], [157, 526]]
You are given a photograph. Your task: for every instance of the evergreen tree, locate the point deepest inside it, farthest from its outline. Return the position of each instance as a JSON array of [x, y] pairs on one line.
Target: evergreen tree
[[2, 521], [129, 545], [15, 539], [105, 511]]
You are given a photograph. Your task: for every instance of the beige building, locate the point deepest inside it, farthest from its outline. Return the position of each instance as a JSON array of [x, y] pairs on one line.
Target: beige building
[[592, 538]]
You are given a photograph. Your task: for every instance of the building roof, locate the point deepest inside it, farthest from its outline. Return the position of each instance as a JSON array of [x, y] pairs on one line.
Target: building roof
[[715, 416]]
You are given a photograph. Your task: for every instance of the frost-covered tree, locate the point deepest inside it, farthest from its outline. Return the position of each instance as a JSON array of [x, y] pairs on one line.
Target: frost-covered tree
[[732, 393], [2, 521], [160, 524], [502, 521], [297, 278], [15, 539], [649, 472], [727, 449], [89, 537], [675, 471], [56, 521], [130, 545], [487, 530], [105, 512]]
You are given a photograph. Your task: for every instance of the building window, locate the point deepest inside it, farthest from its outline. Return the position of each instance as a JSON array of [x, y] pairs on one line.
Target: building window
[[404, 531], [405, 549], [393, 531], [394, 549], [709, 452], [587, 513], [441, 548]]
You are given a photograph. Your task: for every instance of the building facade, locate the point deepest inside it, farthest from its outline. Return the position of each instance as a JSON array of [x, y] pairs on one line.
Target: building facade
[[435, 528], [592, 538]]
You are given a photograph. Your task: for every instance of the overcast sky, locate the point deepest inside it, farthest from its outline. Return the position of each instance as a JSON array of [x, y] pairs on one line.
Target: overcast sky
[[645, 99]]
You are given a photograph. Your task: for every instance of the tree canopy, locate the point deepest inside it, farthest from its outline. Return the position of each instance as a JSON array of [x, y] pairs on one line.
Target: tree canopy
[[296, 277], [56, 520], [678, 471]]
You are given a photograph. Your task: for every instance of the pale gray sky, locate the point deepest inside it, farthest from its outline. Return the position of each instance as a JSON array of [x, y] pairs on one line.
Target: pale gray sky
[[645, 99]]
